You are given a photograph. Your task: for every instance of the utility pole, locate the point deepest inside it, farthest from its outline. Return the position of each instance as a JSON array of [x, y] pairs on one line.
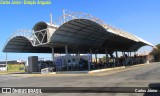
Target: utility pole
[[6, 62]]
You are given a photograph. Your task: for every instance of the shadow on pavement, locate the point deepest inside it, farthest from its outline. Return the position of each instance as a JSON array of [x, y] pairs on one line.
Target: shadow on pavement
[[155, 86], [17, 73]]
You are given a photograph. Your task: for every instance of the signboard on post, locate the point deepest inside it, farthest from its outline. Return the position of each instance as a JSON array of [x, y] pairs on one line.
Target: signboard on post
[[59, 62]]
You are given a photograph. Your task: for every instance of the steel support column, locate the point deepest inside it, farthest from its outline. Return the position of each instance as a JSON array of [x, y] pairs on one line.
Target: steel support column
[[66, 51], [123, 58], [6, 62], [117, 57], [107, 59], [90, 59], [53, 58], [96, 57]]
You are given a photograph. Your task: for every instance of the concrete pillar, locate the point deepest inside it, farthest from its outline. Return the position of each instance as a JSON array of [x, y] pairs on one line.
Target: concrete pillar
[[107, 59], [147, 59], [128, 58], [78, 52], [91, 54], [117, 57], [53, 54], [131, 58], [114, 61], [66, 51], [96, 57], [53, 59], [6, 62], [124, 63], [123, 57], [88, 55], [122, 54], [90, 61]]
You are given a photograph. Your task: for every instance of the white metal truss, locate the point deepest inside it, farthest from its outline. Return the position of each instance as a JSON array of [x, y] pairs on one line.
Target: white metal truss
[[30, 35], [39, 41], [79, 15], [33, 36], [22, 32]]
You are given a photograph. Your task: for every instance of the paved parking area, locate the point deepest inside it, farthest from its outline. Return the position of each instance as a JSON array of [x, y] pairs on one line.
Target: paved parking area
[[10, 77], [137, 76]]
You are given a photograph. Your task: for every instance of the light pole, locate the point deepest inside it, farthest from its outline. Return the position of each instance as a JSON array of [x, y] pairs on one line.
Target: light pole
[[6, 62]]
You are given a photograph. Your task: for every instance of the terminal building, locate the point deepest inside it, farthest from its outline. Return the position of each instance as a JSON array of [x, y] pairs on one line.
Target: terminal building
[[77, 33]]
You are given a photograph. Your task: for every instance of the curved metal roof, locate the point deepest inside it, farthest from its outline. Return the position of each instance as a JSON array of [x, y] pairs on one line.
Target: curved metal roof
[[78, 31], [83, 32], [21, 44], [42, 25]]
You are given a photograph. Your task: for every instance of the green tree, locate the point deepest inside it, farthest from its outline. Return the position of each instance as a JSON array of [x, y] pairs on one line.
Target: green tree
[[104, 58], [156, 53]]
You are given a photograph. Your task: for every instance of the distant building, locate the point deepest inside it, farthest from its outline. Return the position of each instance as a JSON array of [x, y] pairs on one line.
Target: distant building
[[13, 62], [3, 66]]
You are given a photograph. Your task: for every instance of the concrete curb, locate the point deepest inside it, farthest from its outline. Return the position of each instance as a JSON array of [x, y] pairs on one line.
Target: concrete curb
[[89, 72], [72, 72], [139, 65], [106, 69]]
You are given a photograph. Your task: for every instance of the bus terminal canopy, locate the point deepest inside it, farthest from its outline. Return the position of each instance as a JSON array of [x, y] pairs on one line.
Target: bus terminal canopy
[[79, 31]]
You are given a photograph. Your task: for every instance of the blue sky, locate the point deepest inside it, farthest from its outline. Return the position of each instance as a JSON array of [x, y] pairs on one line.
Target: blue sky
[[139, 17]]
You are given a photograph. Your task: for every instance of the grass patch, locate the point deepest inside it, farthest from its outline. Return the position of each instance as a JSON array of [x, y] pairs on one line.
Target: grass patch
[[15, 67]]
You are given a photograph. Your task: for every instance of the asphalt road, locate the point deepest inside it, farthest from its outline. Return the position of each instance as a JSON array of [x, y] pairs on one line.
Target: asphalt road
[[135, 76]]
